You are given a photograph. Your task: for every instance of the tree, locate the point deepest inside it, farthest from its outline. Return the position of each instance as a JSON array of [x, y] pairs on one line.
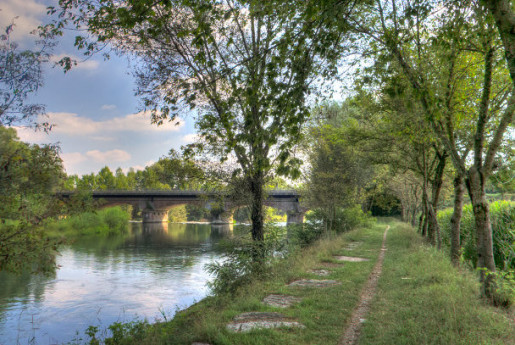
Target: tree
[[20, 76], [29, 175], [338, 174], [245, 67], [407, 32]]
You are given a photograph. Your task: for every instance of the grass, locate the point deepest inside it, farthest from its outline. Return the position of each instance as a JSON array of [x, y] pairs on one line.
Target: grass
[[421, 299]]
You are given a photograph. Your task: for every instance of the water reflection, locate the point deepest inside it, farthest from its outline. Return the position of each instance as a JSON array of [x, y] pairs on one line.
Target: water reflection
[[103, 280]]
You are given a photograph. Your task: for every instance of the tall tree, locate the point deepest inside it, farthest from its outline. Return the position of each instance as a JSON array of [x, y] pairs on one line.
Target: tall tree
[[245, 67], [420, 41], [29, 175]]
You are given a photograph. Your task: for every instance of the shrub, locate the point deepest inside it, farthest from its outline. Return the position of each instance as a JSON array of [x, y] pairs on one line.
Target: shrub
[[245, 259], [502, 216]]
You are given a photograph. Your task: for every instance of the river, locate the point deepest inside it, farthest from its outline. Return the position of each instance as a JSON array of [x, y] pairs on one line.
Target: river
[[149, 273]]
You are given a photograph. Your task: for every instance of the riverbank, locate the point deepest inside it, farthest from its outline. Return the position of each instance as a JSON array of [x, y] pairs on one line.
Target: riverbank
[[420, 299]]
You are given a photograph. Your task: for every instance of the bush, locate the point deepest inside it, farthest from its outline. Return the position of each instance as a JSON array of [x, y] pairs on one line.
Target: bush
[[345, 219], [244, 259], [502, 216], [305, 234], [109, 221]]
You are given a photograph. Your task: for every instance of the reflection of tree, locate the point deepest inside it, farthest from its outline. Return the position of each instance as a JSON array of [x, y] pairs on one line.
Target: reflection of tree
[[20, 287], [163, 245]]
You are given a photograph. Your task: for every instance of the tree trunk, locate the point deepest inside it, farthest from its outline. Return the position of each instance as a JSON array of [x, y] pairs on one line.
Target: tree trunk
[[256, 214], [459, 191], [485, 257], [436, 188]]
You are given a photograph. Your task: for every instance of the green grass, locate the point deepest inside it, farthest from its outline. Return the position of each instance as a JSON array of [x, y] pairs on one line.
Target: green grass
[[104, 222], [434, 303], [423, 299]]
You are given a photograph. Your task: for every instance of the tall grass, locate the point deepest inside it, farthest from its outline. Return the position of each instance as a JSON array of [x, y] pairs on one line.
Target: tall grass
[[502, 215], [105, 222]]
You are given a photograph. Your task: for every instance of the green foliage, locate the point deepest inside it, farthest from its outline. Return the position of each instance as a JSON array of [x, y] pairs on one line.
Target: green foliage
[[178, 214], [343, 219], [245, 260], [305, 234], [20, 77], [120, 333], [106, 222], [502, 216], [29, 175]]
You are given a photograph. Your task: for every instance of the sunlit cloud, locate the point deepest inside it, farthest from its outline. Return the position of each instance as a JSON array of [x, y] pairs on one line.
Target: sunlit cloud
[[82, 64], [74, 125], [109, 156], [25, 14], [190, 138]]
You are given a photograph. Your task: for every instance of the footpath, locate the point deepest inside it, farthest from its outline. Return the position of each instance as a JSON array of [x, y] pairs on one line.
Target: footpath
[[376, 285]]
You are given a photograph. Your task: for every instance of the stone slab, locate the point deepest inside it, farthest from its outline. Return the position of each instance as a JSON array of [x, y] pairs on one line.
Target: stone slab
[[257, 320], [350, 258], [281, 301], [314, 283], [321, 272]]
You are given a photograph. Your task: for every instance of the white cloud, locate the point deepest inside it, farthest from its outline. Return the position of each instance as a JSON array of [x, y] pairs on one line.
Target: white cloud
[[26, 15], [72, 124], [108, 107], [82, 64], [71, 159], [190, 138], [109, 156], [28, 134]]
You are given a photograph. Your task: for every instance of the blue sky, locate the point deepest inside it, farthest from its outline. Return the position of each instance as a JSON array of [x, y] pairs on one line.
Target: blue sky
[[97, 119]]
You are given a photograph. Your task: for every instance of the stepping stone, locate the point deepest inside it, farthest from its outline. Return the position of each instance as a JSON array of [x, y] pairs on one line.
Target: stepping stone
[[353, 245], [281, 301], [320, 272], [314, 283], [350, 258], [256, 320]]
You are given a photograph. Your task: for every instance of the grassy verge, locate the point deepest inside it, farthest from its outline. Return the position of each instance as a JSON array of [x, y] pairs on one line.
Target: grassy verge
[[105, 222], [422, 299]]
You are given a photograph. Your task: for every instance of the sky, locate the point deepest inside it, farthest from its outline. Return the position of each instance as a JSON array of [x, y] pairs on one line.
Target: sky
[[97, 120]]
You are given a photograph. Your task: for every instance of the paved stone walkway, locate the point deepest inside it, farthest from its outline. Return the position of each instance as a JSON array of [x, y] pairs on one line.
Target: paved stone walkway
[[352, 333]]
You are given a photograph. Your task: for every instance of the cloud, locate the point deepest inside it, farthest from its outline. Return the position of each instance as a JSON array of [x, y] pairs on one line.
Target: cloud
[[108, 107], [71, 159], [82, 64], [28, 134], [72, 124], [190, 138], [26, 15], [109, 156]]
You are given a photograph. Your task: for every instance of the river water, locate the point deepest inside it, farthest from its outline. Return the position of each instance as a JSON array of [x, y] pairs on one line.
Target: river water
[[149, 273]]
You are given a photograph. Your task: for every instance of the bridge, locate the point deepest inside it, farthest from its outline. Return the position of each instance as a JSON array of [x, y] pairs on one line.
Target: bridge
[[156, 204]]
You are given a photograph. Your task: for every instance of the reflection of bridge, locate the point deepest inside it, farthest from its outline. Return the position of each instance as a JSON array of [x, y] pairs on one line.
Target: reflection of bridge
[[156, 204]]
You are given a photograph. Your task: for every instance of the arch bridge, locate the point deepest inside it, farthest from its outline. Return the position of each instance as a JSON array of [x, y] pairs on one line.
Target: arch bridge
[[156, 204]]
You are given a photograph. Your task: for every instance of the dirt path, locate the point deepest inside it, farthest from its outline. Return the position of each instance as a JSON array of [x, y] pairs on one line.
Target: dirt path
[[352, 333]]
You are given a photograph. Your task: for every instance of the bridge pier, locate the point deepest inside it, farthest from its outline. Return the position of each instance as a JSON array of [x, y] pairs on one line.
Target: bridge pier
[[154, 216], [295, 218]]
